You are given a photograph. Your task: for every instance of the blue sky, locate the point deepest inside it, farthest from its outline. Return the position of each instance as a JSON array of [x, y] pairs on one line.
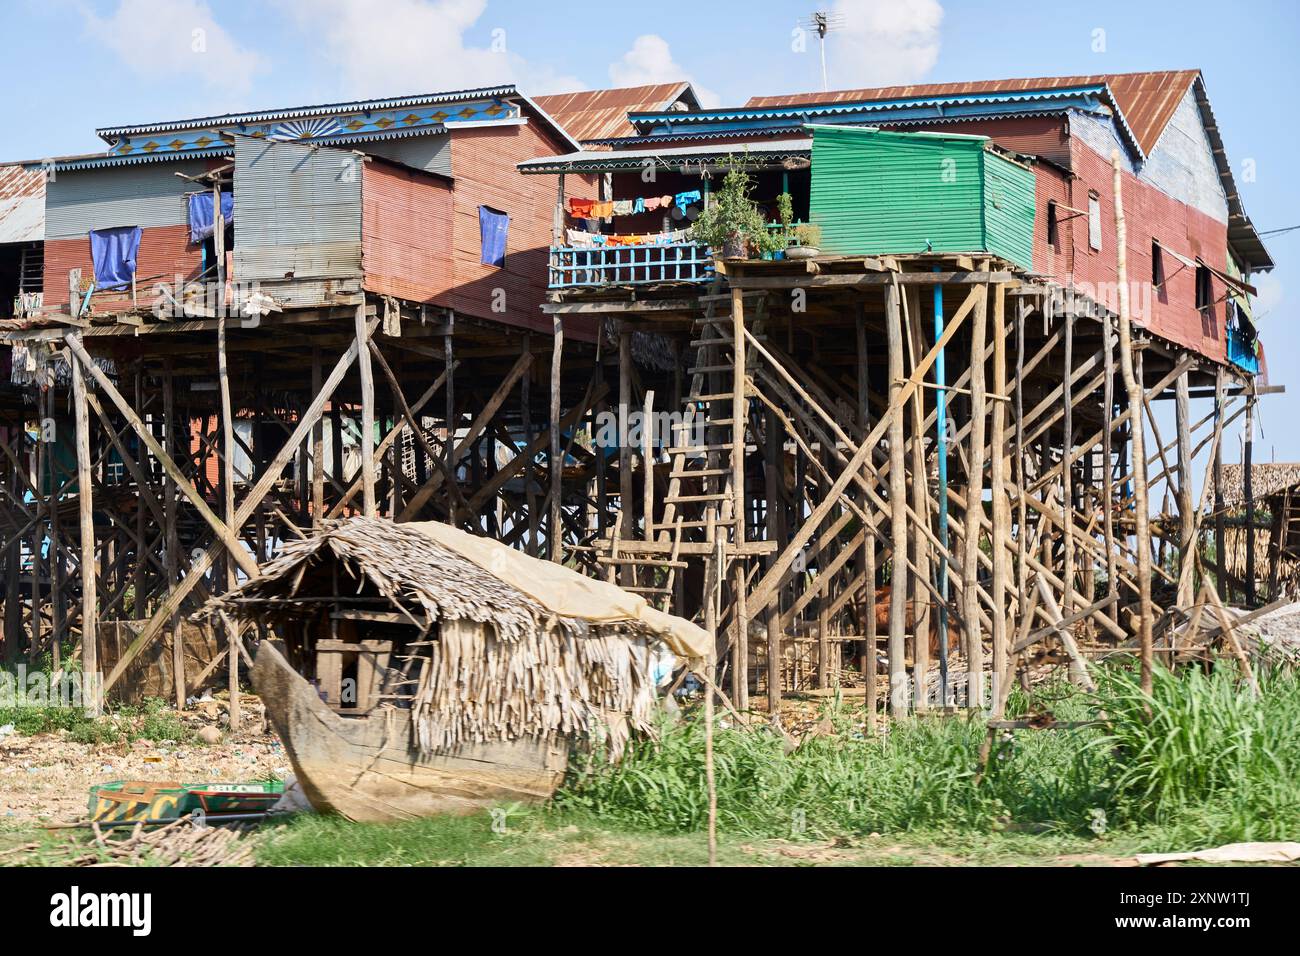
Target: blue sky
[[88, 63]]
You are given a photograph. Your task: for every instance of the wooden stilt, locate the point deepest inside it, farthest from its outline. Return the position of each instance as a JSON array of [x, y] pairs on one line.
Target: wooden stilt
[[975, 509], [555, 532], [898, 696], [86, 564]]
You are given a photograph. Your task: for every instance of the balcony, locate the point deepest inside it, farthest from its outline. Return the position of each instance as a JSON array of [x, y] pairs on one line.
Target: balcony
[[575, 267], [1241, 350]]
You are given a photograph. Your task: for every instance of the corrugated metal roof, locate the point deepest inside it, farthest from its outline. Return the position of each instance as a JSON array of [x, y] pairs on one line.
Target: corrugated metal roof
[[602, 114], [111, 133], [600, 160], [1148, 100], [22, 204]]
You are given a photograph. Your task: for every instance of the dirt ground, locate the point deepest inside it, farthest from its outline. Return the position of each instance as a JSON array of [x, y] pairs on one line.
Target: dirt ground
[[47, 778]]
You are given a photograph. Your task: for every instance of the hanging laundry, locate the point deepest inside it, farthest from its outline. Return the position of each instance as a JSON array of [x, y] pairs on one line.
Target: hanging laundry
[[581, 208], [638, 205], [665, 201], [686, 198], [493, 226], [602, 210], [622, 207]]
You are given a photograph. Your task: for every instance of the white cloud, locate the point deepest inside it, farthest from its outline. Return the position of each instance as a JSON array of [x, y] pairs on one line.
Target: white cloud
[[650, 60], [170, 37], [882, 42], [417, 46]]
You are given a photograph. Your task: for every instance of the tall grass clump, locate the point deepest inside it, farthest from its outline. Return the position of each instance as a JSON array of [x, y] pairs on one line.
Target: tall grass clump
[[920, 776], [1203, 755]]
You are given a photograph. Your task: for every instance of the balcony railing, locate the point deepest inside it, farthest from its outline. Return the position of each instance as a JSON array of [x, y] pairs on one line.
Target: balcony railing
[[1241, 350], [574, 267]]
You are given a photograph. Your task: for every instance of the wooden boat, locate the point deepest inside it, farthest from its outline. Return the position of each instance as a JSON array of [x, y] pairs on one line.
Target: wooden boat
[[422, 670], [368, 768]]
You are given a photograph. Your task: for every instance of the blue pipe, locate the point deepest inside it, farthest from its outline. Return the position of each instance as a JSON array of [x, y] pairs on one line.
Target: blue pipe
[[941, 444]]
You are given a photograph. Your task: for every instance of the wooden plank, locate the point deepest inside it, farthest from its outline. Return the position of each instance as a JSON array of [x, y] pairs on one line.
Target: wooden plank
[[86, 517]]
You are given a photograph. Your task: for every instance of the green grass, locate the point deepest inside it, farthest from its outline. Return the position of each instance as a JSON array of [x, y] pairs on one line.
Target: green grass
[[1199, 763], [152, 720]]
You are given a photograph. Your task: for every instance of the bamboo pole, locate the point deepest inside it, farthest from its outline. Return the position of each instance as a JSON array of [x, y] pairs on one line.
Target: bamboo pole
[[898, 507], [1001, 531], [228, 511], [367, 414], [1138, 440], [868, 615], [555, 531], [1186, 510], [86, 564], [739, 508], [974, 509]]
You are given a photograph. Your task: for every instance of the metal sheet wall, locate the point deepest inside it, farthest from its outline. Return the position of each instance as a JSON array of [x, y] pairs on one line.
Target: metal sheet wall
[[1009, 196], [406, 232], [430, 153], [297, 212], [879, 192], [147, 195]]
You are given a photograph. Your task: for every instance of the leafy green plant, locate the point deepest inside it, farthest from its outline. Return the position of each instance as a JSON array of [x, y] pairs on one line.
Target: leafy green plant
[[732, 223]]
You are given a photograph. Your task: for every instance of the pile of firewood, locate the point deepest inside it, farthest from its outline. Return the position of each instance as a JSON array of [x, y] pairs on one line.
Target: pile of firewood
[[176, 844]]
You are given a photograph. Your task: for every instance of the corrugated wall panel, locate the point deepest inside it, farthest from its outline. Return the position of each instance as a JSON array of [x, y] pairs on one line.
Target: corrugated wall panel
[[483, 162], [148, 195], [297, 212], [165, 252], [430, 153], [879, 192], [1009, 195], [406, 224]]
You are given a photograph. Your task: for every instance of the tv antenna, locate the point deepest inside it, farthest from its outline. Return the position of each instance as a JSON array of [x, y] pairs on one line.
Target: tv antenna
[[823, 22]]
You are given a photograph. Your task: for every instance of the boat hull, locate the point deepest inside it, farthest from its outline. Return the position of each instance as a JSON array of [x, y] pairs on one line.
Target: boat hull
[[367, 768]]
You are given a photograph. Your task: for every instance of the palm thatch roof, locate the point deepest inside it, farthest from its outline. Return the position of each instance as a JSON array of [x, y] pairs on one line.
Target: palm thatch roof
[[571, 658], [1267, 479]]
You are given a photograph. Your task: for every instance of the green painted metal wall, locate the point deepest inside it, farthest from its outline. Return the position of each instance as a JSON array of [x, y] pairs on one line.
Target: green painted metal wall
[[876, 192]]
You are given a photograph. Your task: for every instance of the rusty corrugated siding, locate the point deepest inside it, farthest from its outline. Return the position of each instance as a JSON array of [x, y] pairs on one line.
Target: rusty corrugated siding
[[22, 204], [484, 166], [1148, 100], [165, 252], [602, 114], [406, 230]]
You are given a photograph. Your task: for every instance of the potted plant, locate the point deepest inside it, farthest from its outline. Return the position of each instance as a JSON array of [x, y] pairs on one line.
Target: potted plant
[[805, 242], [731, 224]]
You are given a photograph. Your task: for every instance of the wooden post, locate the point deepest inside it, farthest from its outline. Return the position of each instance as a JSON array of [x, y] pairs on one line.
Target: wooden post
[[627, 512], [317, 449], [1248, 489], [898, 697], [1108, 463], [1138, 429], [868, 615], [1001, 530], [228, 513], [919, 592], [1067, 472], [975, 508], [170, 533], [450, 456], [555, 533], [1220, 530], [367, 414], [86, 564], [1186, 509], [739, 418], [774, 465]]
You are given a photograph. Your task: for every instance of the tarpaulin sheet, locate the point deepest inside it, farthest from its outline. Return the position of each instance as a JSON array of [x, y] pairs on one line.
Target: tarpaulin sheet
[[114, 252], [567, 593], [201, 225], [493, 226]]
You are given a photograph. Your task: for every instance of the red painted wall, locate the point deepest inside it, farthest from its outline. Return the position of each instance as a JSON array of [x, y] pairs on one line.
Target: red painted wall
[[483, 164], [165, 252], [406, 232]]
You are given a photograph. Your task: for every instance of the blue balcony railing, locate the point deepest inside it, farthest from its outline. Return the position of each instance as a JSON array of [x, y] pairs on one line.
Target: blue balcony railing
[[1241, 350], [574, 267]]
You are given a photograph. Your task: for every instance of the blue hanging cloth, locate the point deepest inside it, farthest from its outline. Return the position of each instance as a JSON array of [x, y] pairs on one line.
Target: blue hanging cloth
[[114, 253], [201, 225], [493, 227]]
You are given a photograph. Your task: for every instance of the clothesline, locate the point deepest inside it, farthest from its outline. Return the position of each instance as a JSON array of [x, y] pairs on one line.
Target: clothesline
[[597, 209], [592, 240]]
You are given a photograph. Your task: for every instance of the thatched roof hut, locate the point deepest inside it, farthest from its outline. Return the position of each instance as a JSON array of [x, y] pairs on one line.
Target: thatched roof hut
[[1267, 479], [485, 643]]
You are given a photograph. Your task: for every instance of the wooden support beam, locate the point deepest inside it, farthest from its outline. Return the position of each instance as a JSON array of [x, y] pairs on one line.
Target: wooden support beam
[[898, 702], [86, 515], [199, 568], [975, 508], [555, 532]]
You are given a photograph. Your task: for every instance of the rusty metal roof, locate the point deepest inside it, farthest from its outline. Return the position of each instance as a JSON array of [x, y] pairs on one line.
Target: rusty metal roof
[[22, 204], [602, 114], [1147, 100]]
